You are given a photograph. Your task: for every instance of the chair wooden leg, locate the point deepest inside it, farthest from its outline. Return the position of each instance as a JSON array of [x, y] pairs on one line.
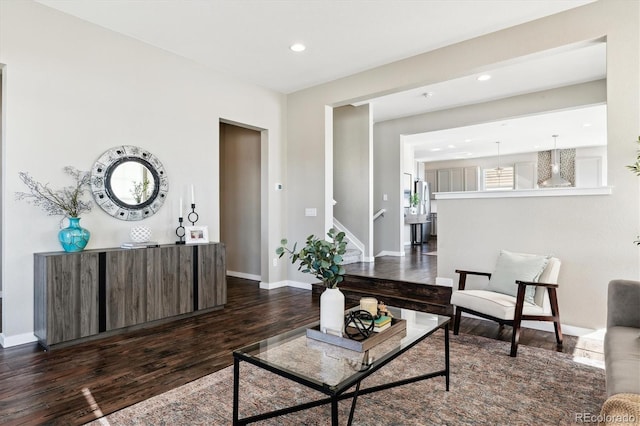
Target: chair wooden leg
[[553, 299], [456, 321], [515, 339], [556, 326]]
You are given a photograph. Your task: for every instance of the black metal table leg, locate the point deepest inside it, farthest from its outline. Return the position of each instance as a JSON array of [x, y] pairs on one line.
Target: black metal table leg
[[446, 354], [353, 403], [236, 389], [334, 411], [335, 395]]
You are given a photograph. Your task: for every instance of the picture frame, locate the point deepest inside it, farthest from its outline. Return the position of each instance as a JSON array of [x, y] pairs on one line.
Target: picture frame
[[196, 234]]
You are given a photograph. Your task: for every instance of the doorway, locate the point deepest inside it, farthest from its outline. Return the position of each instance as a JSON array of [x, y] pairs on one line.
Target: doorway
[[1, 194], [240, 199]]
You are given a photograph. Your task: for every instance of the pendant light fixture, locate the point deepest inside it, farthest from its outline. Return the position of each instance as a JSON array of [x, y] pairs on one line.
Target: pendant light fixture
[[499, 169], [556, 180]]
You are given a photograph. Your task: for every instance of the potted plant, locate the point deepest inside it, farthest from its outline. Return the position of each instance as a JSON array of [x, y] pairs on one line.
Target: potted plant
[[66, 202], [635, 168], [415, 201], [323, 259]]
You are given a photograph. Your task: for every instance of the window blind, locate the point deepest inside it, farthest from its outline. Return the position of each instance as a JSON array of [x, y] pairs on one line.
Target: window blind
[[495, 180]]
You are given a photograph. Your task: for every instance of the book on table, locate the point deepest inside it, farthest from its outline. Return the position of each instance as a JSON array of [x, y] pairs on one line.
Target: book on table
[[379, 324], [397, 327], [134, 245]]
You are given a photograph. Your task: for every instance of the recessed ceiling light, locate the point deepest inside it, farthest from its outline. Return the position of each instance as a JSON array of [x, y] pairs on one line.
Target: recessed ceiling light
[[297, 47], [451, 146], [484, 77], [436, 149], [587, 125], [462, 154]]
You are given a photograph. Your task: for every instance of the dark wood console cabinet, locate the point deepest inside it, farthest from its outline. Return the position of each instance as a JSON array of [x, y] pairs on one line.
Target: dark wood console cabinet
[[99, 292]]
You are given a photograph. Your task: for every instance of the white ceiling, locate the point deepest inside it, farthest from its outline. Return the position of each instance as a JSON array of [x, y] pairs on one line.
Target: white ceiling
[[569, 65], [250, 39], [581, 127], [578, 127]]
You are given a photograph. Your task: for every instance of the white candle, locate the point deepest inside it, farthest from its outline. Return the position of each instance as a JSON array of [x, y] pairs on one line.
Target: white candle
[[180, 213], [193, 196], [369, 304]]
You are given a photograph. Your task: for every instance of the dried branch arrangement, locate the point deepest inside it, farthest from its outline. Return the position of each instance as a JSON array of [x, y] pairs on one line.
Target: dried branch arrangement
[[66, 201]]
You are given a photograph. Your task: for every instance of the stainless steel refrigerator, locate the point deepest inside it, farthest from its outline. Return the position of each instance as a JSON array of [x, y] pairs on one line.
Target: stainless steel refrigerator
[[421, 188]]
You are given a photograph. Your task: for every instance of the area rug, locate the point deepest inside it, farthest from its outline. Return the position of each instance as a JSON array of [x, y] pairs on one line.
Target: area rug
[[539, 387]]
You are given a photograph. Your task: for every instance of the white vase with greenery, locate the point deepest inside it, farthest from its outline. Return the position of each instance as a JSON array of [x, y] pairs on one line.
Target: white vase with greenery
[[332, 311], [323, 259]]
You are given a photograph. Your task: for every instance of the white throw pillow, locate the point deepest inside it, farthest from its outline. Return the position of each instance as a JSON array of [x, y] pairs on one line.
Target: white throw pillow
[[517, 266]]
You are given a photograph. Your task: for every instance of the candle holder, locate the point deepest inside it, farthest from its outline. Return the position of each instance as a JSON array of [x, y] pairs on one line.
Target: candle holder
[[193, 216], [180, 232]]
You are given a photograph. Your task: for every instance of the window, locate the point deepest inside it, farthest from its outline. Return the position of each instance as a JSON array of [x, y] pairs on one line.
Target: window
[[496, 180]]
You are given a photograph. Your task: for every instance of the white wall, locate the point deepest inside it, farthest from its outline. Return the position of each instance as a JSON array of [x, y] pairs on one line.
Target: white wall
[[73, 90], [391, 161], [389, 133], [352, 171], [594, 250]]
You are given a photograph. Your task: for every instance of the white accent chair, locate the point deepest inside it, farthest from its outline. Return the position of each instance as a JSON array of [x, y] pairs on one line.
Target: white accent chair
[[510, 310]]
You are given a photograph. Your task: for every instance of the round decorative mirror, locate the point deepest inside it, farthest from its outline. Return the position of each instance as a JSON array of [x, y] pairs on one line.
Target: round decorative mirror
[[129, 183]]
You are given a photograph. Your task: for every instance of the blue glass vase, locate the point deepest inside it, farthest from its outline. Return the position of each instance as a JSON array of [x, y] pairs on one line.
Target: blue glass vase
[[74, 238]]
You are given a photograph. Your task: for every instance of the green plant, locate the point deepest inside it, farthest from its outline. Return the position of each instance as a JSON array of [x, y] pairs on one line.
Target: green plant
[[66, 201], [319, 257], [635, 168], [415, 199], [140, 190]]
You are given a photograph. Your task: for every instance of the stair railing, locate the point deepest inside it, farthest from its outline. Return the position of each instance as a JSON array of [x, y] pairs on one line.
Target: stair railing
[[379, 213]]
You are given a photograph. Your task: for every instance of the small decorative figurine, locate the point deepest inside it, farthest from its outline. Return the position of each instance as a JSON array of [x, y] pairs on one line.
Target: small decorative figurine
[[382, 310]]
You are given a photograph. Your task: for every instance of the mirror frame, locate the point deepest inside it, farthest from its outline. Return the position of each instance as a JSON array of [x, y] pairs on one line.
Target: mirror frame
[[102, 191]]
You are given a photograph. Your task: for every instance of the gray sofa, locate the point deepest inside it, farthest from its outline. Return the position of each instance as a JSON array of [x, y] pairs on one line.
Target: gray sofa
[[622, 349]]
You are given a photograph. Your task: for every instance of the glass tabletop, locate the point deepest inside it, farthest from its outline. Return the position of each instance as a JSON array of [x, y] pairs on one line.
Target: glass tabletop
[[332, 368]]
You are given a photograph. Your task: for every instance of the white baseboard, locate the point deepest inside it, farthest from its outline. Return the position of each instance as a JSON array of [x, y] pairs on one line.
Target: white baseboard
[[567, 329], [446, 282], [285, 283], [297, 284], [271, 286], [570, 330], [352, 238], [390, 253], [369, 259], [20, 339], [244, 275]]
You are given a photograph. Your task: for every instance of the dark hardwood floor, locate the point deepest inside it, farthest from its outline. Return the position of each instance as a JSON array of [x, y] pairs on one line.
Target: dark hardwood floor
[[56, 387], [49, 387], [416, 266]]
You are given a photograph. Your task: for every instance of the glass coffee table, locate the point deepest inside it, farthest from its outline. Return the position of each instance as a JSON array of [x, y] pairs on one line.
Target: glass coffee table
[[334, 370]]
